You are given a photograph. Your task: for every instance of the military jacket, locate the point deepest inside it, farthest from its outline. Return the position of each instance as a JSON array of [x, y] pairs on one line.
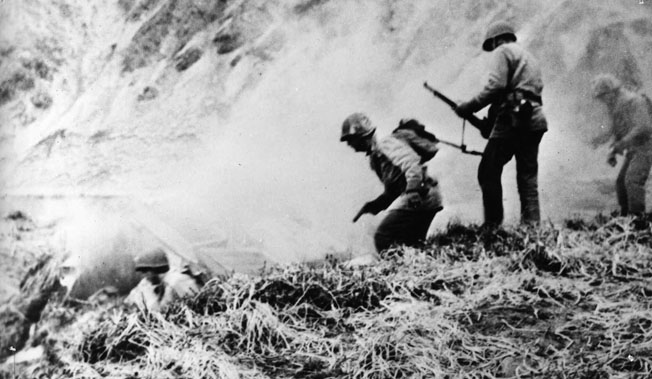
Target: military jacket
[[399, 168], [157, 297], [512, 71], [631, 121]]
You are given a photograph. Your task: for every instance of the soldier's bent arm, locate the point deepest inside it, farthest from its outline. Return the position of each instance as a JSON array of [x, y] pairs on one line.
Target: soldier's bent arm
[[497, 81], [640, 123]]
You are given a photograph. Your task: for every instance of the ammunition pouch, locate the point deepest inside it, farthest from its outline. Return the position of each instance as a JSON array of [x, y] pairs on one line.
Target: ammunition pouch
[[521, 104]]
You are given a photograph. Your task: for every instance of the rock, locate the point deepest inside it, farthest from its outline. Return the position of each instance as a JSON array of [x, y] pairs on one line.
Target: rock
[[363, 260], [39, 67], [15, 331], [16, 318], [306, 6], [173, 25], [19, 81], [126, 5], [27, 355], [149, 93], [41, 100], [188, 58], [16, 215], [227, 43]]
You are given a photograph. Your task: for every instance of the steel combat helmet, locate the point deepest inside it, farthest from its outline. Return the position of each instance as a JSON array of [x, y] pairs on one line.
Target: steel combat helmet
[[497, 29], [355, 126], [154, 260], [604, 84]]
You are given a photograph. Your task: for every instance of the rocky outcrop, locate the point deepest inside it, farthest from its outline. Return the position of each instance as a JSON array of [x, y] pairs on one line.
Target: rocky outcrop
[[40, 283], [209, 96], [173, 24]]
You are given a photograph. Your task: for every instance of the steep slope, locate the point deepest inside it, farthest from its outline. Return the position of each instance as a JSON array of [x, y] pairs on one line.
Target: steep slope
[[223, 116], [568, 301]]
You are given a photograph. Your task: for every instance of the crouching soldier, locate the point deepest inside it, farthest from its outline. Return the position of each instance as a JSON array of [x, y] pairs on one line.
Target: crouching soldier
[[631, 129], [160, 285], [411, 196]]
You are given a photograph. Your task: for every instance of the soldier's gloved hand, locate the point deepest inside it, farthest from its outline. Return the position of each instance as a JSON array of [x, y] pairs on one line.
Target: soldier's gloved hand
[[414, 199], [611, 157], [463, 109], [369, 207], [616, 148], [415, 196]]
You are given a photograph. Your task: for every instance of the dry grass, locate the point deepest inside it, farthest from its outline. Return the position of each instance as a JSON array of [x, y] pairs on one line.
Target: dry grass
[[552, 302]]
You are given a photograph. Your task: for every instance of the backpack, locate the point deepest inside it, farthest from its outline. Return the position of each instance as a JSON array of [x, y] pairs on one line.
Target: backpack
[[415, 135]]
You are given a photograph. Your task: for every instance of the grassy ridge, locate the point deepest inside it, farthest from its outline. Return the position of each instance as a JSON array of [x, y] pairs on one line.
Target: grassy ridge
[[554, 302]]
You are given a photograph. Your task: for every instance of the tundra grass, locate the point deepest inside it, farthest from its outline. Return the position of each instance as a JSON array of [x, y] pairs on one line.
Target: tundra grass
[[569, 301]]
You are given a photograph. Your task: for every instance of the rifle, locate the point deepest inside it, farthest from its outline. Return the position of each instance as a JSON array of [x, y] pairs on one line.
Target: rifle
[[461, 147], [484, 125]]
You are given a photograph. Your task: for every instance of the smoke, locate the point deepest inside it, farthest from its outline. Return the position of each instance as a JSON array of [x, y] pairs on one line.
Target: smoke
[[273, 175], [276, 171], [242, 150]]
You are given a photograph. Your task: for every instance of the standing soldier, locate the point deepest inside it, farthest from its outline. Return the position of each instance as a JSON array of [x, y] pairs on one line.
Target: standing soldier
[[514, 93], [411, 195], [631, 128]]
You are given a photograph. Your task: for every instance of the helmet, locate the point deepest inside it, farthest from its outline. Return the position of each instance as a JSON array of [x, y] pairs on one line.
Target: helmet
[[603, 84], [154, 260], [497, 29], [356, 125]]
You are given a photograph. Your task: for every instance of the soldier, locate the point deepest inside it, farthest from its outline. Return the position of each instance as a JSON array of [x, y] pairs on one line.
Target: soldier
[[160, 286], [631, 129], [514, 93], [411, 195]]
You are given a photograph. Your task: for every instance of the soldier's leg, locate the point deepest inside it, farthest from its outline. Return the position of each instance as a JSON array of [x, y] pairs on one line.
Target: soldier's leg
[[389, 230], [527, 169], [402, 226], [635, 179], [422, 221], [496, 154], [621, 188]]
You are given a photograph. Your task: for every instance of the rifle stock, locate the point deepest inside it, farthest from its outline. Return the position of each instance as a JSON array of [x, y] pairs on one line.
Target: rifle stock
[[484, 126]]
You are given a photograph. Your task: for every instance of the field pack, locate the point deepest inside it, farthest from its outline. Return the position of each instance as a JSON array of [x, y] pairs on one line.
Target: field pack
[[420, 140]]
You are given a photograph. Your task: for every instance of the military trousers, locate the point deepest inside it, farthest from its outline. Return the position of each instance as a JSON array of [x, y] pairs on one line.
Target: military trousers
[[403, 227], [524, 147], [630, 184]]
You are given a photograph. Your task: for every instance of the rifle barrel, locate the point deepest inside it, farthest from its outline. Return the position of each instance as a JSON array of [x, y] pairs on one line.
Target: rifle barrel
[[481, 125], [440, 95]]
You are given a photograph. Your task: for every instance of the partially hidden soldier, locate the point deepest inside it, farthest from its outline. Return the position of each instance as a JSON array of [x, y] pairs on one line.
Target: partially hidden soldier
[[514, 92], [631, 129], [161, 285], [411, 196]]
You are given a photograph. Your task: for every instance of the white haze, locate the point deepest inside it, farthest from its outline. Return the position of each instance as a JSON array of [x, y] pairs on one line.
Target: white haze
[[250, 154]]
